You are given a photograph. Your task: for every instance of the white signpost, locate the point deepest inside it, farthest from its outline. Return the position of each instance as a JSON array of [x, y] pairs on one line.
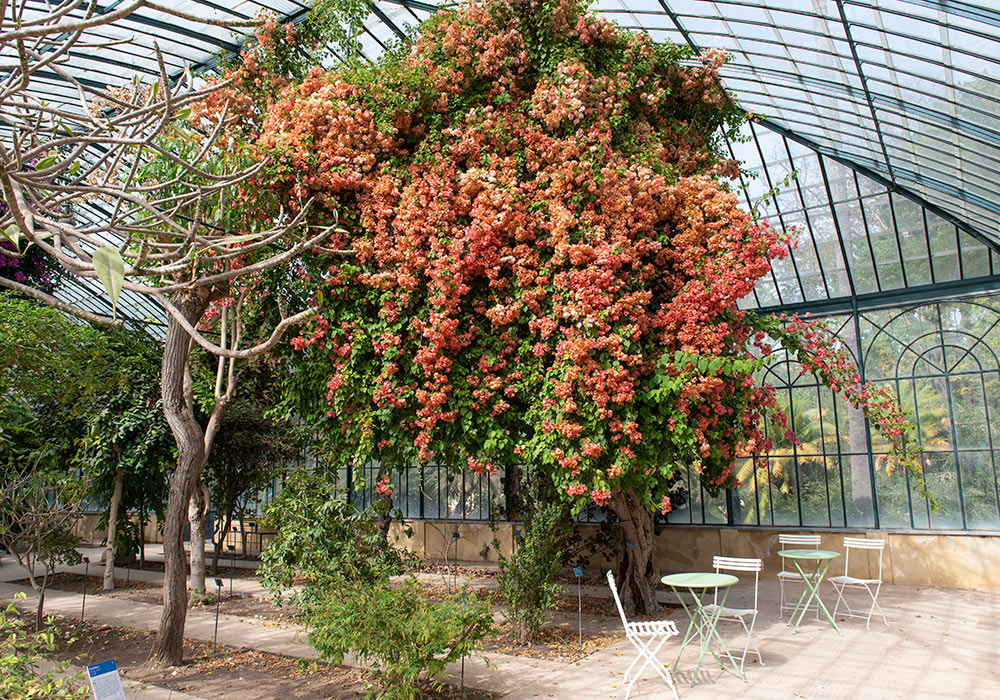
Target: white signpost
[[105, 681]]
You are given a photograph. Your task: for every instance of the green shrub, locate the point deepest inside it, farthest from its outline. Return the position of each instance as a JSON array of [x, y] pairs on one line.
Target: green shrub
[[341, 565], [21, 653], [525, 582], [323, 541], [404, 638]]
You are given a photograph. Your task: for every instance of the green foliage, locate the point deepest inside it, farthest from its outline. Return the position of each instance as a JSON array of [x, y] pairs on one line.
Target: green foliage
[[405, 638], [22, 652], [75, 398], [249, 451], [526, 577], [252, 448], [342, 565], [322, 542], [330, 29], [125, 428], [38, 509], [44, 357]]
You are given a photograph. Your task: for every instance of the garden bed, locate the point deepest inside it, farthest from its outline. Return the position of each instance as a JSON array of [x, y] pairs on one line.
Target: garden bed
[[225, 569], [553, 643], [74, 583], [232, 672]]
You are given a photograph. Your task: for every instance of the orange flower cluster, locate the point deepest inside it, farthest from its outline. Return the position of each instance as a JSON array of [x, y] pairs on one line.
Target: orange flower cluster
[[547, 259]]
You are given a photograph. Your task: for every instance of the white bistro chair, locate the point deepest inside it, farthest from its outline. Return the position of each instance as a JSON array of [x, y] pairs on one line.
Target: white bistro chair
[[786, 576], [643, 635], [745, 616], [872, 585]]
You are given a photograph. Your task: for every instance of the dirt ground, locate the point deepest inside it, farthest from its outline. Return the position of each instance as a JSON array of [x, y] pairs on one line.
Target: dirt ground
[[230, 672], [557, 641], [224, 568], [74, 583]]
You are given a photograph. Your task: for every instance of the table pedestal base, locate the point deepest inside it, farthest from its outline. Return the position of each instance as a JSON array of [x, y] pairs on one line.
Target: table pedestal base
[[812, 591], [703, 626]]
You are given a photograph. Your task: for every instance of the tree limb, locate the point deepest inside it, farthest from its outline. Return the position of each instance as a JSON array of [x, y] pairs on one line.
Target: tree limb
[[59, 304]]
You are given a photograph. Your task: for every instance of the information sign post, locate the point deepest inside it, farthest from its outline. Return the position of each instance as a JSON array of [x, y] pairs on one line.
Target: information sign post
[[105, 682], [578, 572]]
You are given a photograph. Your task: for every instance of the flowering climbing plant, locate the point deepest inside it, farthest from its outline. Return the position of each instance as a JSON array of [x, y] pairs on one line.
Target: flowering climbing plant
[[547, 258]]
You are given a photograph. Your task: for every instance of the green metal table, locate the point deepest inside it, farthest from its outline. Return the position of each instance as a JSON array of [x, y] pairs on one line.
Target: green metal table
[[822, 558], [703, 623]]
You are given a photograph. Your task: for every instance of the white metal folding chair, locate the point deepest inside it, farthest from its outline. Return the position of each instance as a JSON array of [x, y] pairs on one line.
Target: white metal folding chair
[[788, 541], [643, 635], [741, 615], [872, 585]]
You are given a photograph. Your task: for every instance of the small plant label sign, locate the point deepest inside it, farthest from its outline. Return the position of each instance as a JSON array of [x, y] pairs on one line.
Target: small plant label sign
[[105, 681], [578, 571]]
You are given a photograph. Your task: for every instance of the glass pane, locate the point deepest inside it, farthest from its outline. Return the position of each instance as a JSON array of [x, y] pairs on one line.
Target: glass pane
[[893, 499], [942, 482], [979, 489]]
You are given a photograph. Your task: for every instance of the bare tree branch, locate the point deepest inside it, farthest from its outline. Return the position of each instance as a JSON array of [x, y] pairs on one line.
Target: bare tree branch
[[124, 167], [256, 350], [57, 303]]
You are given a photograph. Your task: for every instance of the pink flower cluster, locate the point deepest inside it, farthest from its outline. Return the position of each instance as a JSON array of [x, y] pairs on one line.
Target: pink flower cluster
[[546, 262]]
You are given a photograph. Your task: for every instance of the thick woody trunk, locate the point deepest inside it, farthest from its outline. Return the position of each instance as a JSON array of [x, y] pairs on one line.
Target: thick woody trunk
[[110, 551], [384, 505], [190, 460], [637, 573], [197, 517], [200, 502], [220, 538], [41, 601]]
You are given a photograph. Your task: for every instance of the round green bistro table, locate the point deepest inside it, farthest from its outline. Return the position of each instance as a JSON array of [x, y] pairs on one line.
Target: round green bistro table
[[822, 559], [703, 622]]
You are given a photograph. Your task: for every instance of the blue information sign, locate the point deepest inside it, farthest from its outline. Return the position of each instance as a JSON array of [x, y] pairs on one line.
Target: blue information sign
[[577, 571], [105, 681]]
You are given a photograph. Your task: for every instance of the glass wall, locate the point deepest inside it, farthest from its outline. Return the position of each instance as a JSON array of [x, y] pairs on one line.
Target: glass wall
[[432, 492], [941, 361]]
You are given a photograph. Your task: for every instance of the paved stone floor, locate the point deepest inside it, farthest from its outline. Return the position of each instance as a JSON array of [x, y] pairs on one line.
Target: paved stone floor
[[939, 643]]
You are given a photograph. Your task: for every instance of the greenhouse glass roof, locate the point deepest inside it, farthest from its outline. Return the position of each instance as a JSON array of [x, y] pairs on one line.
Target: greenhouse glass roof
[[886, 111]]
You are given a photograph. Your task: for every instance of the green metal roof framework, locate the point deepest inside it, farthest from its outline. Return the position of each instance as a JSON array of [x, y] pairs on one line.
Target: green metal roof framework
[[887, 111]]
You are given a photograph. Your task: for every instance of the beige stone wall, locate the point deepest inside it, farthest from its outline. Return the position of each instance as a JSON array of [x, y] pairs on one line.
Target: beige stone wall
[[87, 530], [946, 561], [436, 540]]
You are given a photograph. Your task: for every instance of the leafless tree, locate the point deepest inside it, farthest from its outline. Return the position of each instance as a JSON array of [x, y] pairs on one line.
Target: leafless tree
[[157, 237], [37, 515]]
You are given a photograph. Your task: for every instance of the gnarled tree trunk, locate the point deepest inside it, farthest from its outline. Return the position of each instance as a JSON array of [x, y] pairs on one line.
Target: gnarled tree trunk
[[225, 385], [189, 437], [197, 517], [220, 538], [110, 551], [637, 575], [384, 504]]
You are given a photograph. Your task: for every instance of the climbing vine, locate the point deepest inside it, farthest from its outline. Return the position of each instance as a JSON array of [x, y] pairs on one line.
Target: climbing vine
[[547, 258]]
